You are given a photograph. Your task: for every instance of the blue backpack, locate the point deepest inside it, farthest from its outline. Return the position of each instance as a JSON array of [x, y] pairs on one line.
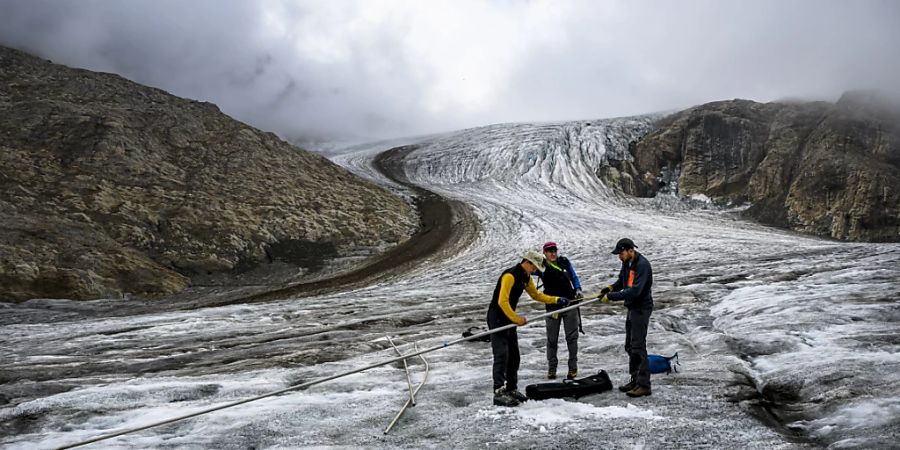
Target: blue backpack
[[663, 364]]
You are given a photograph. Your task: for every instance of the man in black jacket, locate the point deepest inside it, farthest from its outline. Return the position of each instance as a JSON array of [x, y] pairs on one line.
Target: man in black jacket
[[502, 311], [633, 287], [560, 279]]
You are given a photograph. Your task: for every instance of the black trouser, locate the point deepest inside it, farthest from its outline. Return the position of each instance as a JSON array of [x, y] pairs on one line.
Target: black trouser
[[505, 345], [636, 324]]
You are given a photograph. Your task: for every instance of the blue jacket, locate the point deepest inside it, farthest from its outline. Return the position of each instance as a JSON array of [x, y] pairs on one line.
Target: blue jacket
[[634, 283], [559, 279]]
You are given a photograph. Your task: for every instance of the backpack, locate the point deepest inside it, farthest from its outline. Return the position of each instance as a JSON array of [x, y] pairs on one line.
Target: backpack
[[477, 330], [660, 364]]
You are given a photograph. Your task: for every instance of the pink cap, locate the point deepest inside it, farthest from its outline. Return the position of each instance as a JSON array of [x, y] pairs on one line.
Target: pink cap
[[550, 244]]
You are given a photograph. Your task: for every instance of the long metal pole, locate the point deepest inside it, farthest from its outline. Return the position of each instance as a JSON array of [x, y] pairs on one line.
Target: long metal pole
[[583, 302]]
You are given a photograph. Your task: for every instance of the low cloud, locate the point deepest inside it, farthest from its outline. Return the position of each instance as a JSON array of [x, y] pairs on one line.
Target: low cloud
[[373, 69]]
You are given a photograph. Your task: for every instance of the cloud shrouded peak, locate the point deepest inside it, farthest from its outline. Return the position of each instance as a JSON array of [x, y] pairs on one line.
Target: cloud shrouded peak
[[374, 69]]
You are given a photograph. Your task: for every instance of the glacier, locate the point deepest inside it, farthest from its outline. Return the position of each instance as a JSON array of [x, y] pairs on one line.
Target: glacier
[[785, 340]]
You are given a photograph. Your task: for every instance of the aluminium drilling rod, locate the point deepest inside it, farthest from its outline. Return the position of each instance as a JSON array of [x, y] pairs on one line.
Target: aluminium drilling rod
[[582, 302]]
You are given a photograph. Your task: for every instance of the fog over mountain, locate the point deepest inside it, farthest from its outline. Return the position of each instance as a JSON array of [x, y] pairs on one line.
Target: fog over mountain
[[312, 71]]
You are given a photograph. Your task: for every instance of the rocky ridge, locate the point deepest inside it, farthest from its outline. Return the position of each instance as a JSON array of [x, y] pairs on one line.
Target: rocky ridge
[[110, 187], [826, 169]]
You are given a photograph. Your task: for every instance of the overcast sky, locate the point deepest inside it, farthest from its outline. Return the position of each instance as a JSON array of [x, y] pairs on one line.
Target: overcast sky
[[378, 69]]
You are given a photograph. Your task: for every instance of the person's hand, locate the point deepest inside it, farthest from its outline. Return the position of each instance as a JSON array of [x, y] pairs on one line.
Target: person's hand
[[604, 299], [562, 301], [606, 290], [521, 321], [578, 294]]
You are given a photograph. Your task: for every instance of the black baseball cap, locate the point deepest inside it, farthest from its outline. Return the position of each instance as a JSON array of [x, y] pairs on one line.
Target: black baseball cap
[[623, 244]]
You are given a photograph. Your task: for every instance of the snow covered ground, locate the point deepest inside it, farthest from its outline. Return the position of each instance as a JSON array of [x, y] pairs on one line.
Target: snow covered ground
[[768, 324]]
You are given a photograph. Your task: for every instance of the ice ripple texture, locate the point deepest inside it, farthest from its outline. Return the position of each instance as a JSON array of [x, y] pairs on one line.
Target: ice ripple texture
[[768, 324]]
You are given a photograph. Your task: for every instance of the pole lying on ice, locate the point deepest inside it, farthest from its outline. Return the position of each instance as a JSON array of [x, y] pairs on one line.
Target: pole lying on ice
[[582, 302]]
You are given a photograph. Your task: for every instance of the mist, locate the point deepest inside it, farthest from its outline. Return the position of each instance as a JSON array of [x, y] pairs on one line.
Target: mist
[[364, 70]]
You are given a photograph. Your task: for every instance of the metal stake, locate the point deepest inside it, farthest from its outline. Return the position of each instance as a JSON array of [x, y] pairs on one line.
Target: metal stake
[[403, 409], [412, 395]]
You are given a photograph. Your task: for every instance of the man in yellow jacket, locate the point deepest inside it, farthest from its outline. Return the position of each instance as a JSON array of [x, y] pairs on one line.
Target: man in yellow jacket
[[502, 311]]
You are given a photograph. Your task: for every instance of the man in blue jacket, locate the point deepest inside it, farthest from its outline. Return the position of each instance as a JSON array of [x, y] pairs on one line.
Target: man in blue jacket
[[633, 287]]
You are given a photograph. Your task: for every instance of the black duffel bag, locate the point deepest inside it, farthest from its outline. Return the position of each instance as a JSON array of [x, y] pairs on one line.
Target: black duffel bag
[[570, 388]]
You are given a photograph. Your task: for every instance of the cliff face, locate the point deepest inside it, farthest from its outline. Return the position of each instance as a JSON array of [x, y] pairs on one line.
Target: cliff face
[[826, 169], [111, 187]]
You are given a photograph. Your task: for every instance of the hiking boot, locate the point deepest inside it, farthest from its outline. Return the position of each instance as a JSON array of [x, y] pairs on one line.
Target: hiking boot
[[517, 395], [503, 398], [639, 391], [551, 373], [628, 386], [572, 374]]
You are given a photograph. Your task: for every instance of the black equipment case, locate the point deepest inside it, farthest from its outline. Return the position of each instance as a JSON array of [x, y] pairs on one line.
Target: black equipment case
[[570, 388]]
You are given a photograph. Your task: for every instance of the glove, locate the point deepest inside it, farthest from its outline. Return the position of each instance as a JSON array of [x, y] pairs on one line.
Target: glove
[[562, 301], [606, 290], [605, 299], [521, 321], [555, 316], [578, 294]]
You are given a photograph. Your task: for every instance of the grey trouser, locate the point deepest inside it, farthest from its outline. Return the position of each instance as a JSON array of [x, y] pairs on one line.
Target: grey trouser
[[636, 324], [570, 321]]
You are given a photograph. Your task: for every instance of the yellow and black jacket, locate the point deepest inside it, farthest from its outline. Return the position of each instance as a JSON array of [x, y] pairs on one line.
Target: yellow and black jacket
[[510, 285]]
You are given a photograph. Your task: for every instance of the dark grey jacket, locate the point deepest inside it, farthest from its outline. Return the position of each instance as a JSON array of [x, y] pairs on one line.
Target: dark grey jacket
[[634, 283]]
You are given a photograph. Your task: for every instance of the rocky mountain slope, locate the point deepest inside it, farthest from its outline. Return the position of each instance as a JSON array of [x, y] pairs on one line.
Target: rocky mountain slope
[[827, 169], [110, 187]]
